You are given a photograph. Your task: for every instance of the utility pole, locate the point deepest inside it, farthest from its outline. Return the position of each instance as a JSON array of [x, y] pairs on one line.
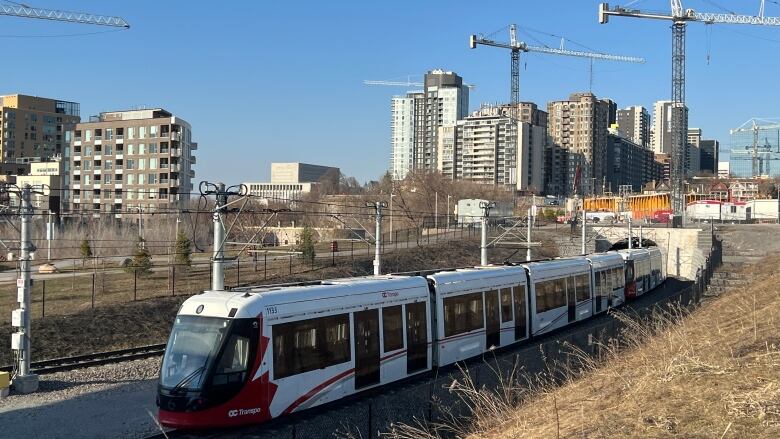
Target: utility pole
[[528, 234], [378, 206], [485, 206], [630, 234], [436, 211], [49, 236], [640, 235], [24, 381], [448, 212], [584, 223], [391, 217]]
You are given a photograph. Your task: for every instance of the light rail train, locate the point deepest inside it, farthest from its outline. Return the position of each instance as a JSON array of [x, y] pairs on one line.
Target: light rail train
[[253, 354]]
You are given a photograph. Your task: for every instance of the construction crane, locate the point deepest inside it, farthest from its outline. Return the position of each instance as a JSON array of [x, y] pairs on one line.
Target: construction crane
[[24, 11], [679, 18], [407, 83], [515, 46]]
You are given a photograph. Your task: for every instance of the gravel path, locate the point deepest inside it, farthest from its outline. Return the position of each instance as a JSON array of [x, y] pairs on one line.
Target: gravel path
[[110, 401]]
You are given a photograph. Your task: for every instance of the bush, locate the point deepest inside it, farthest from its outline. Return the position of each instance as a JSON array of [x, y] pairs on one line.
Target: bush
[[141, 263], [183, 250], [85, 250], [306, 245]]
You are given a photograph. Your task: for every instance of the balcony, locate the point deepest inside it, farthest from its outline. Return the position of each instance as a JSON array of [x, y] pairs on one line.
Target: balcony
[[194, 146], [193, 160], [175, 167], [176, 136], [192, 173]]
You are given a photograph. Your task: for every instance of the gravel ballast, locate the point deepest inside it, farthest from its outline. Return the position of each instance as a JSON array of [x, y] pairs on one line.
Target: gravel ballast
[[114, 400]]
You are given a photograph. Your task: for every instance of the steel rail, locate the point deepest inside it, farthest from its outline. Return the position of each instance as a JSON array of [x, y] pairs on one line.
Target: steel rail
[[95, 359]]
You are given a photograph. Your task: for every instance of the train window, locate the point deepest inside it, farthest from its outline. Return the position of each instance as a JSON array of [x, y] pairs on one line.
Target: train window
[[393, 328], [506, 305], [583, 287], [234, 361], [311, 344], [550, 294], [463, 314], [597, 281]]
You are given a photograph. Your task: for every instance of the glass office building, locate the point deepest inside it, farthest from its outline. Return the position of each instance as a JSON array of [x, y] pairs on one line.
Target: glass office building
[[766, 162]]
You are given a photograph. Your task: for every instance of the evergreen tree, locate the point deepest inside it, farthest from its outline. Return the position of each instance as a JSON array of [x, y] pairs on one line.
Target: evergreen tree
[[141, 262], [306, 244], [183, 250], [86, 251]]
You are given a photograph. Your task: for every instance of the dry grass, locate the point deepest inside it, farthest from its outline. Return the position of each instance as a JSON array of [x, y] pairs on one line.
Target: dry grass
[[713, 373]]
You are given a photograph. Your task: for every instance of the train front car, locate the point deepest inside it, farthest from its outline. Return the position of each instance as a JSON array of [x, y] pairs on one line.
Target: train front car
[[209, 374]]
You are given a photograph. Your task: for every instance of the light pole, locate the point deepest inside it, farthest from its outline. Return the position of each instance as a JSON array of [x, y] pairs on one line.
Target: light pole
[[391, 215], [448, 212], [436, 212]]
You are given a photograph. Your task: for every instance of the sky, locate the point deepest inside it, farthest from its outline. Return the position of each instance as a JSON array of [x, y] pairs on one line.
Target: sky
[[263, 81]]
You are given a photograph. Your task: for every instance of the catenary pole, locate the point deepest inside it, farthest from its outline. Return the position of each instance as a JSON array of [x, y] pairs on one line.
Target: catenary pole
[[378, 206], [218, 258], [485, 206], [24, 381]]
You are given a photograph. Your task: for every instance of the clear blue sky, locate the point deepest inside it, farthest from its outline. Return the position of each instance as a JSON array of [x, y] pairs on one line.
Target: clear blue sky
[[265, 81]]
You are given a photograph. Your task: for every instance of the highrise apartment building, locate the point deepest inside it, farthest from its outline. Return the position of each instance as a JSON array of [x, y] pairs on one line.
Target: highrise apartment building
[[579, 125], [126, 160], [709, 156], [662, 126], [34, 128], [478, 149], [417, 117], [693, 152], [634, 124]]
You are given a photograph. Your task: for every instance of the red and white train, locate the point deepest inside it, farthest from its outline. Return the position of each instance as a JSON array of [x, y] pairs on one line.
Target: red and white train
[[251, 355]]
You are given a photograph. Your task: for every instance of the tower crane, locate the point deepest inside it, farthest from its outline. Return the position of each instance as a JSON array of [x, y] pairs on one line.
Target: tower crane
[[407, 83], [515, 46], [67, 16], [755, 126], [680, 18]]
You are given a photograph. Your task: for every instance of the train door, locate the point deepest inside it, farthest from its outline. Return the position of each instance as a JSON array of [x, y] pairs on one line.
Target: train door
[[521, 317], [630, 284], [597, 283], [493, 320], [571, 298], [366, 348], [416, 337]]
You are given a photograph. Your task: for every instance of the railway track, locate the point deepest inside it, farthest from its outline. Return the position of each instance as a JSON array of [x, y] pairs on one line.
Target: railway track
[[89, 360]]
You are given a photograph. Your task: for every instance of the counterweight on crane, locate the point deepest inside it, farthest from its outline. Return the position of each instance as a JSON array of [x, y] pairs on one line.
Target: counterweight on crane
[[515, 46], [679, 18]]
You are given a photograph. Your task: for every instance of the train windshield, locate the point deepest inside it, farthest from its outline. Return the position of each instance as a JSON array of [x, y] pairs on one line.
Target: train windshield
[[195, 342]]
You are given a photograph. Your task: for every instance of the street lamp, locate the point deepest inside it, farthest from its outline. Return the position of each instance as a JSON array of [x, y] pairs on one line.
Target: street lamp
[[448, 212]]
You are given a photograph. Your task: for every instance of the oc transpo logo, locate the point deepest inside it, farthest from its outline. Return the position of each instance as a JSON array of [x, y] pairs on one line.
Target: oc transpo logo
[[389, 294], [243, 412]]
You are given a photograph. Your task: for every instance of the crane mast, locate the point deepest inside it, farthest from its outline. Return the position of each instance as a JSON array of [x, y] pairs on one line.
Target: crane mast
[[516, 46], [679, 129]]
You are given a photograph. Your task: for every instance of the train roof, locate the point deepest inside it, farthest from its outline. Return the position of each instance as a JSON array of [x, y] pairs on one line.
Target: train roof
[[634, 253], [464, 279], [609, 259], [557, 267], [250, 302]]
